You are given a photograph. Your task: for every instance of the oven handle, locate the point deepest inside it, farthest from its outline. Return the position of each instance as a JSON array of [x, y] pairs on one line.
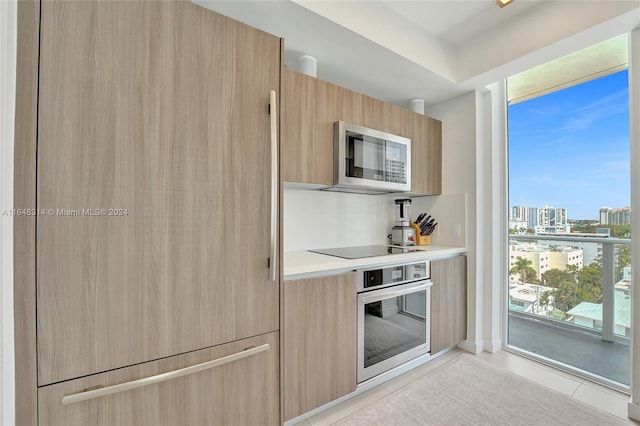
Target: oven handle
[[392, 292]]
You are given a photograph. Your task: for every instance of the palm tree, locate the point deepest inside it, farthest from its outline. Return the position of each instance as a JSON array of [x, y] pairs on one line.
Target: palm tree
[[523, 268]]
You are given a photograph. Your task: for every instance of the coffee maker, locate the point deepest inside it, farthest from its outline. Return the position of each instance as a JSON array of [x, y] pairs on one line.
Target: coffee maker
[[402, 233]]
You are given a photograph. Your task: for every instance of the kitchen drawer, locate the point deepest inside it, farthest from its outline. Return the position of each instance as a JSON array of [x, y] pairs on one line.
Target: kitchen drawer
[[236, 392]]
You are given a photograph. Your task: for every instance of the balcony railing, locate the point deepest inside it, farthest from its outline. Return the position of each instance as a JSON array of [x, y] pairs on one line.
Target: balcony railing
[[608, 258]]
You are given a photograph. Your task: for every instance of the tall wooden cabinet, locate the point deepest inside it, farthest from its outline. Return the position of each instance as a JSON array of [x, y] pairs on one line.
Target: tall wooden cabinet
[[448, 302], [310, 106], [153, 192]]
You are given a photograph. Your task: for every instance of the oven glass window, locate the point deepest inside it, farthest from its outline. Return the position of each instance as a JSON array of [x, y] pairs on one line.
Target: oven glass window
[[393, 326]]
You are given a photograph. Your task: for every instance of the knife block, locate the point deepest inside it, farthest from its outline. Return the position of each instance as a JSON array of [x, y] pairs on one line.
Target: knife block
[[421, 240]]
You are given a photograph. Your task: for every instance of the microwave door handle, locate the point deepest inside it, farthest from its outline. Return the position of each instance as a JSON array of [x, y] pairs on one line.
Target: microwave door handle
[[385, 294]]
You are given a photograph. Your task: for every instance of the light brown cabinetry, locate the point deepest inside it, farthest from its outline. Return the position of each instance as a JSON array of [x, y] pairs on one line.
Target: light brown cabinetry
[[310, 106], [240, 392], [426, 153], [153, 156], [319, 336], [152, 178], [448, 302]]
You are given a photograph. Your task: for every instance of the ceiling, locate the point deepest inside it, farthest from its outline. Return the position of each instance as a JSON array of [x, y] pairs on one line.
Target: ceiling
[[398, 50]]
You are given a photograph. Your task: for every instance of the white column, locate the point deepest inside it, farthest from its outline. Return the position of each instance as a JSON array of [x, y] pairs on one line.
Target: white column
[[634, 121], [8, 46], [496, 309]]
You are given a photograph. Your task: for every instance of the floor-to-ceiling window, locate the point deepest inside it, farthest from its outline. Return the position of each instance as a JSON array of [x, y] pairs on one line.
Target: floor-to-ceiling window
[[569, 216]]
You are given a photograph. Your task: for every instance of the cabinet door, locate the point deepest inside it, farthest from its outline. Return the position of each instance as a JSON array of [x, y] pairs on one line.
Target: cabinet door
[[319, 342], [448, 302], [307, 143], [309, 108], [426, 153], [154, 175], [240, 392]]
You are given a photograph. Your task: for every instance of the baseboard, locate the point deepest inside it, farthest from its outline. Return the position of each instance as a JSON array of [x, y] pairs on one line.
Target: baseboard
[[493, 346], [633, 411], [473, 347]]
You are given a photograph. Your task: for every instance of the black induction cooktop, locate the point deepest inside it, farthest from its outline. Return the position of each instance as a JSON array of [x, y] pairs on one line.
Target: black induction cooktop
[[359, 252]]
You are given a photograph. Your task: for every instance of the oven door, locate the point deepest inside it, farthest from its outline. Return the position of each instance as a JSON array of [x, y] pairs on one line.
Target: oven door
[[393, 327]]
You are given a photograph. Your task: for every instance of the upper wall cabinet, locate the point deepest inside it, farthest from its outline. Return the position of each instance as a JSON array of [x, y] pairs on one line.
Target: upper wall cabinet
[[310, 107], [426, 153]]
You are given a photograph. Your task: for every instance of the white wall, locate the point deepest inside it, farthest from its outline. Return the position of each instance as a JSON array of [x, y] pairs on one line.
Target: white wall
[[449, 210], [458, 118], [316, 219], [8, 37]]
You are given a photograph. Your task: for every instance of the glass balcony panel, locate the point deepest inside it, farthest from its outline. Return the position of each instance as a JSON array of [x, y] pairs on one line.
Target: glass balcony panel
[[575, 311]]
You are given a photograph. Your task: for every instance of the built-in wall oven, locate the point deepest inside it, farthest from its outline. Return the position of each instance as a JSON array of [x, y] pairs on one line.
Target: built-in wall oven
[[393, 316]]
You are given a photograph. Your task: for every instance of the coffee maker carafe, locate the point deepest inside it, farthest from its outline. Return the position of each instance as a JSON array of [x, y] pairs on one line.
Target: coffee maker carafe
[[402, 233]]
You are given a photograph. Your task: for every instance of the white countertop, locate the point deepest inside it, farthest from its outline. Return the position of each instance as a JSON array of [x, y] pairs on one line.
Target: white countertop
[[305, 264]]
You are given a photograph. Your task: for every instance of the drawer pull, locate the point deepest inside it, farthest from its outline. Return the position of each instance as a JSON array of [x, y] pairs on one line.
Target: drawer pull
[[134, 384]]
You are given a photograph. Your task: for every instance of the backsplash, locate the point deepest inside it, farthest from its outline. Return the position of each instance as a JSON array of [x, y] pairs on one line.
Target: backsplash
[[450, 213], [321, 219]]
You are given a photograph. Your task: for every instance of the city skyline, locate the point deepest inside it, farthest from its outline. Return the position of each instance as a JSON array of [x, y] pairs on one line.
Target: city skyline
[[570, 148], [616, 208]]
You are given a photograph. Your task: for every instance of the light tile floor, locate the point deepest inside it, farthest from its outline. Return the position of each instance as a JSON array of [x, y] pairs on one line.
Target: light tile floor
[[590, 393]]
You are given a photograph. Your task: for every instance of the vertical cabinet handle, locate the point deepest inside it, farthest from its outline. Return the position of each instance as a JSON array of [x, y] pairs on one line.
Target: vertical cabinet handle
[[273, 259]]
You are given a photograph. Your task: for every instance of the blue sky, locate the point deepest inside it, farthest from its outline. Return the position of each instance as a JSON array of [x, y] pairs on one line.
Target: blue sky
[[570, 148]]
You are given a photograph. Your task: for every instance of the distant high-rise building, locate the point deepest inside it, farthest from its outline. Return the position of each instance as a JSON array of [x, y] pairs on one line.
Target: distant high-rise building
[[519, 213], [522, 216], [552, 216], [533, 217], [552, 219], [618, 216]]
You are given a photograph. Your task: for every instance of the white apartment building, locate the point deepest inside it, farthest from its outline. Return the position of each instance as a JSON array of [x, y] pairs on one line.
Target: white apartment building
[[523, 217], [562, 256], [552, 219], [545, 257], [538, 255], [541, 219], [590, 251], [589, 314], [526, 298]]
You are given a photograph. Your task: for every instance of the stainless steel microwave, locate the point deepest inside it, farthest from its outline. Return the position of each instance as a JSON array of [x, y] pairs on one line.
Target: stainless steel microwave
[[370, 161]]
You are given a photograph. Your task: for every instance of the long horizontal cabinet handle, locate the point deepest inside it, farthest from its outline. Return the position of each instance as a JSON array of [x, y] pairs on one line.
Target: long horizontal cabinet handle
[[134, 384]]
